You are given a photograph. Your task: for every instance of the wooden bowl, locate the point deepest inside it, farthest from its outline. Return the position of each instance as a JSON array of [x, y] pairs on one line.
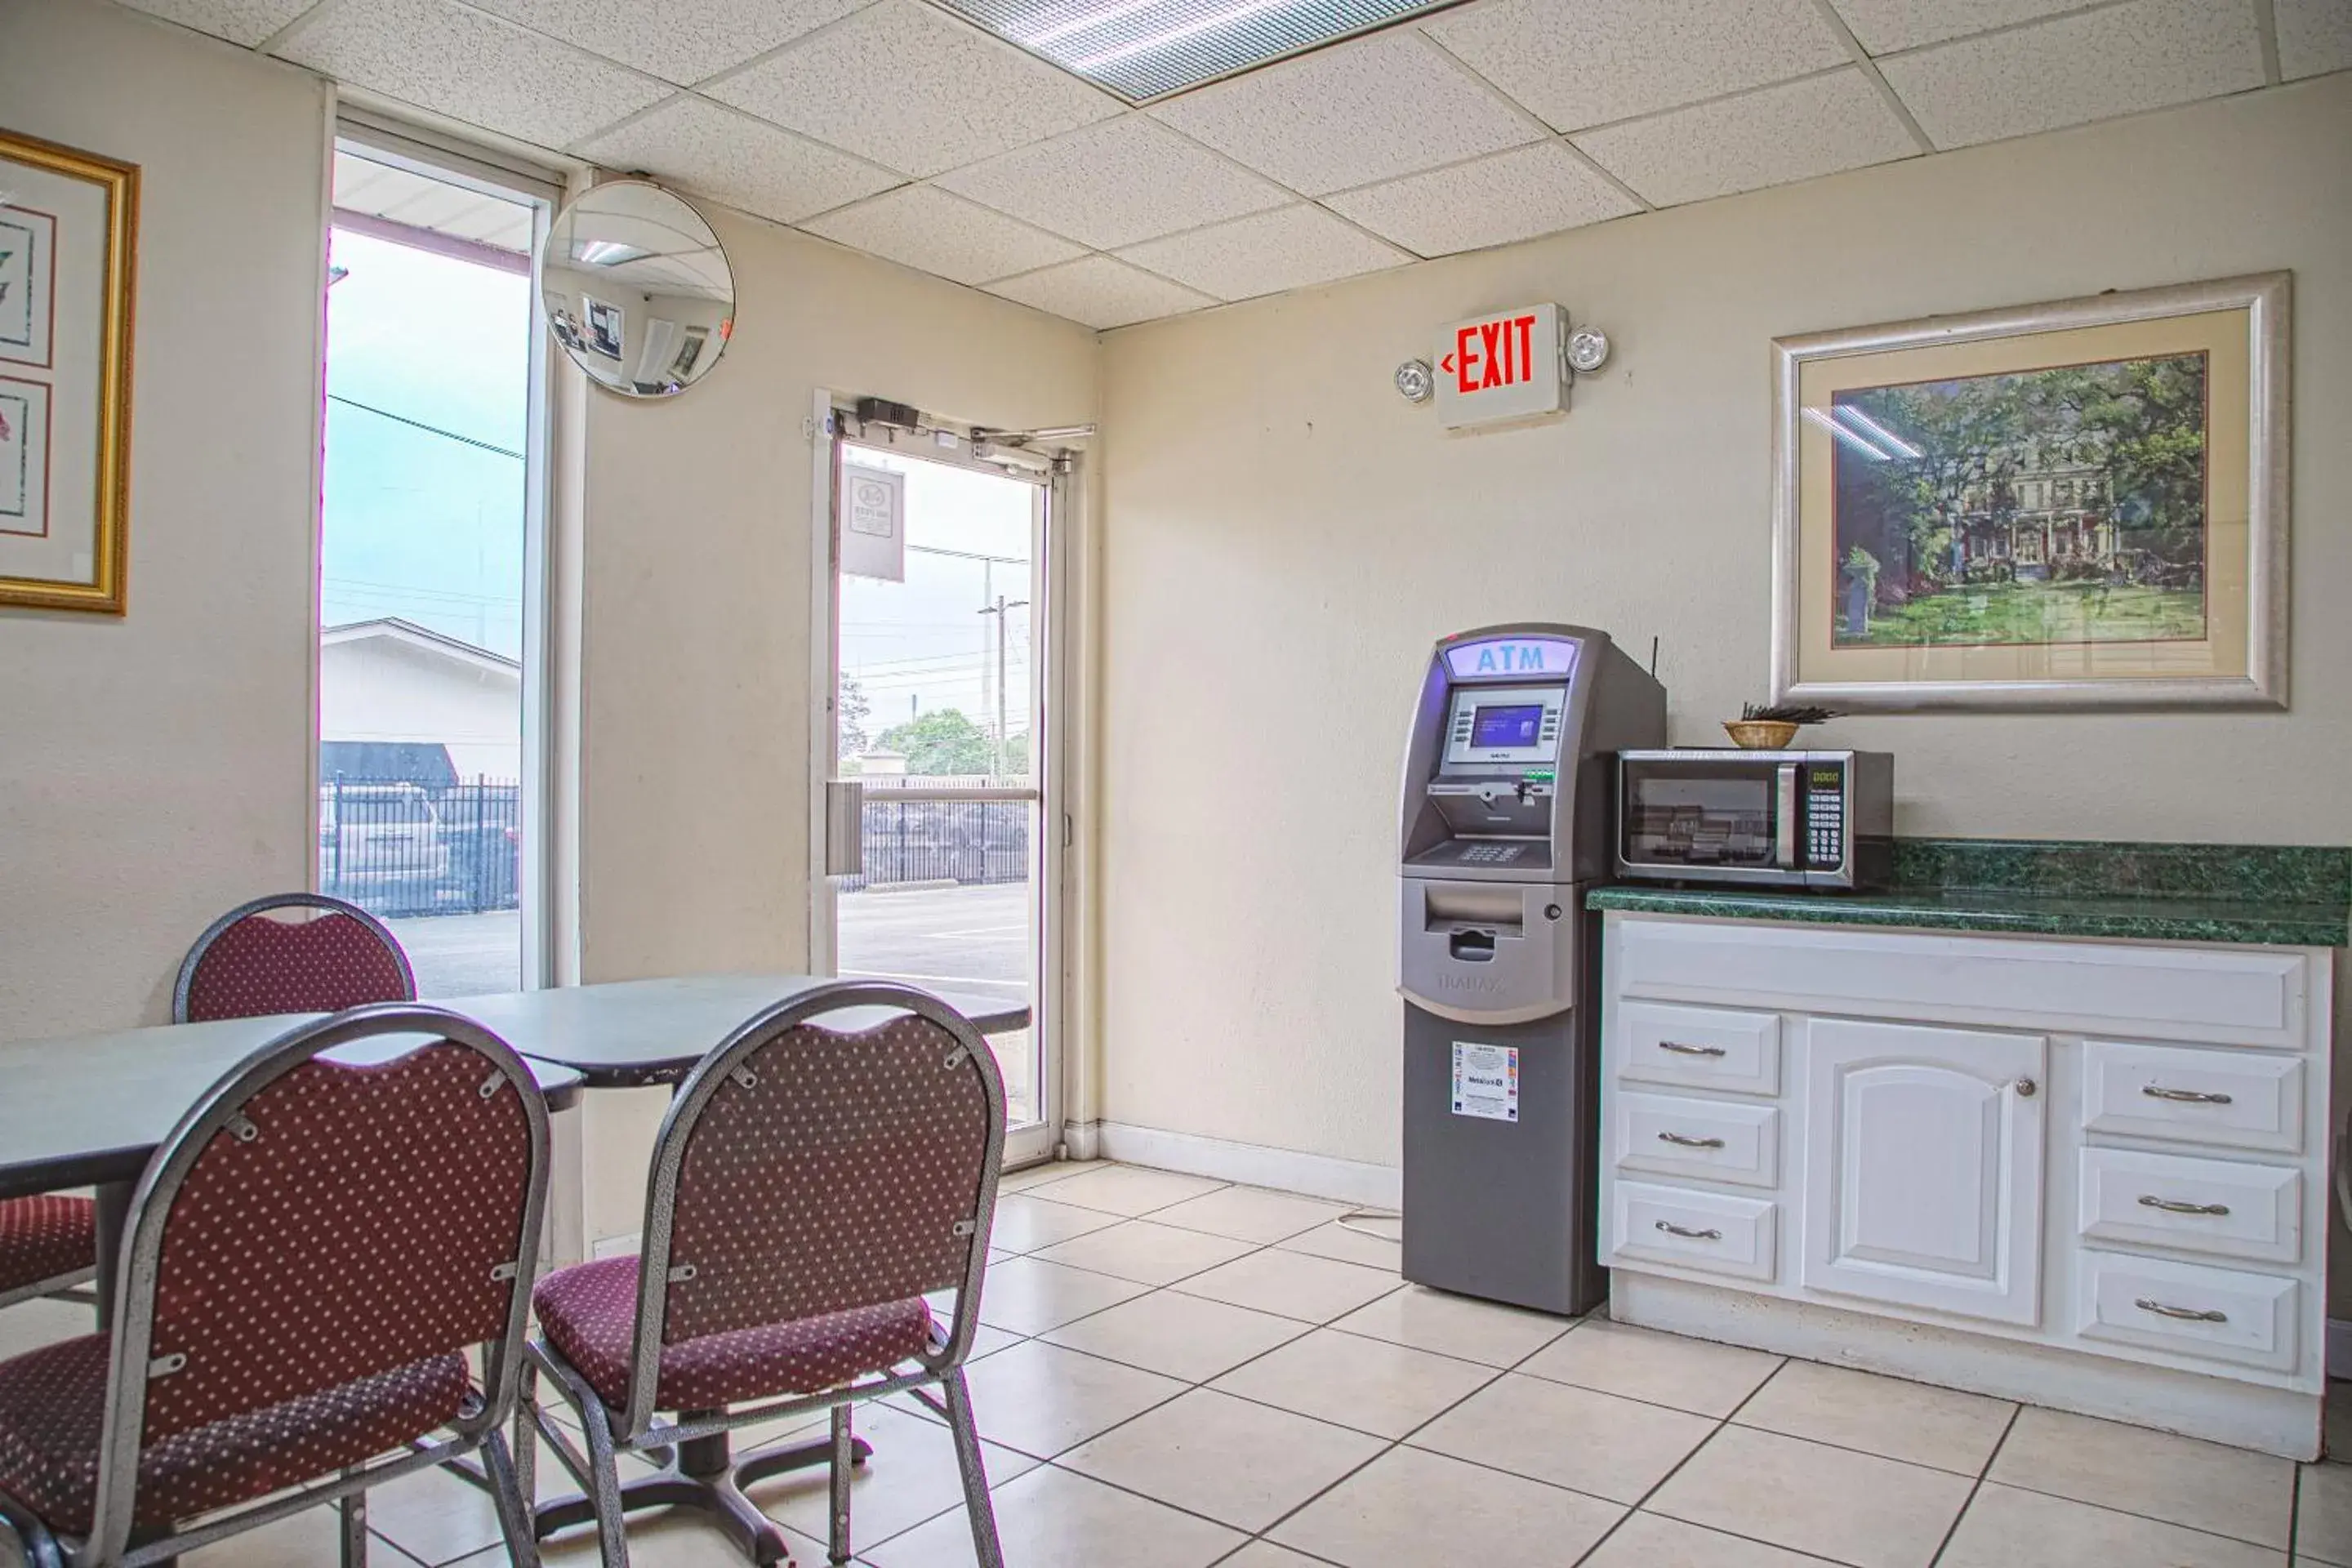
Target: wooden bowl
[[1760, 734]]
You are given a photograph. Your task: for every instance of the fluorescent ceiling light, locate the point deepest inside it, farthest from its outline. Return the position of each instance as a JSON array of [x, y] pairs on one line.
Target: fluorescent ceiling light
[[1146, 49], [608, 253], [1844, 435], [1879, 434]]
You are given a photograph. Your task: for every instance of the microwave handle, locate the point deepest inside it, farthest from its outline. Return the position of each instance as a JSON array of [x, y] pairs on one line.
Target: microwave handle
[[1784, 817]]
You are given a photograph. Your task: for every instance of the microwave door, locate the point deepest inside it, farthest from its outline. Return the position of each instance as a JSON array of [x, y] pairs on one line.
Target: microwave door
[[1718, 819]]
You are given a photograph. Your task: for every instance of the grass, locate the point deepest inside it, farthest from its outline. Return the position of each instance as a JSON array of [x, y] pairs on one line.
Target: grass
[[2038, 612]]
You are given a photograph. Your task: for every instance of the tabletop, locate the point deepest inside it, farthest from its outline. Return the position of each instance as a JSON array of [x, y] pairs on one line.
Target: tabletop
[[84, 1109], [629, 1032]]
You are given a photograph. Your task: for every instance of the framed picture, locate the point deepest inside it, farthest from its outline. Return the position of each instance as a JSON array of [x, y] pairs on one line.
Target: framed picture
[[603, 326], [69, 226], [2073, 505]]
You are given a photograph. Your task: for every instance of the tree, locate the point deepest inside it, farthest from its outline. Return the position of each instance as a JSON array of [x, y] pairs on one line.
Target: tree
[[943, 741], [850, 714]]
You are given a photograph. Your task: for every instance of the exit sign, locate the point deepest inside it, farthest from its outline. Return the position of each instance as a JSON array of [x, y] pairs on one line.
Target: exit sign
[[1501, 366]]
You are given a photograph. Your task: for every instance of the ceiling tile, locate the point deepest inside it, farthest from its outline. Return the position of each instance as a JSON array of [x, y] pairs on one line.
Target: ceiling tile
[[2315, 37], [1886, 26], [926, 227], [1349, 115], [1295, 248], [1100, 292], [1512, 195], [902, 84], [2076, 69], [1593, 61], [1116, 182], [738, 159], [678, 40], [245, 22], [458, 62], [1770, 137]]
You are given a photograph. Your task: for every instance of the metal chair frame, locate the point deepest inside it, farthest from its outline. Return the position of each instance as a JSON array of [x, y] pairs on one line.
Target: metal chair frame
[[113, 1542], [262, 906], [61, 1286], [694, 1476]]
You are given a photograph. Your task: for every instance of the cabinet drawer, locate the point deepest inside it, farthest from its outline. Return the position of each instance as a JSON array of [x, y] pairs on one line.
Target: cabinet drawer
[[2238, 1099], [1706, 1048], [2215, 1314], [1712, 1139], [2223, 1206], [1712, 1231]]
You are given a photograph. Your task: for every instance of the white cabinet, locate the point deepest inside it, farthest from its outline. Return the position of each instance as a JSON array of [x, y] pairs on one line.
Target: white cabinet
[[1924, 1160]]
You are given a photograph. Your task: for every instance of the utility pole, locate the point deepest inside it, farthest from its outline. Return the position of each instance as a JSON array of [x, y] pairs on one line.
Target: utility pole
[[1000, 609]]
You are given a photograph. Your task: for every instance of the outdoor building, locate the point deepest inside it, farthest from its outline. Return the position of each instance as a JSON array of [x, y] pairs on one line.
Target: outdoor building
[[2045, 514], [391, 681]]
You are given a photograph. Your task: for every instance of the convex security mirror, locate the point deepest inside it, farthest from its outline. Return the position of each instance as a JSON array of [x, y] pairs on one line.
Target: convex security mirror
[[636, 288]]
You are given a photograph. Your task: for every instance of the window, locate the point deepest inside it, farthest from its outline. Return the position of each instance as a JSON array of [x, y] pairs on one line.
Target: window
[[428, 532]]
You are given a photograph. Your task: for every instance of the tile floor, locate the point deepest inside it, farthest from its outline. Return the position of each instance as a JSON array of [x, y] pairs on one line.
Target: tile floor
[[1177, 1374]]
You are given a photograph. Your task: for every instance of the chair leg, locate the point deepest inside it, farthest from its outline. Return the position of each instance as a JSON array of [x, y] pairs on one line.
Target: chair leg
[[526, 1430], [974, 1469], [513, 1503], [604, 1469], [352, 1529], [844, 1458]]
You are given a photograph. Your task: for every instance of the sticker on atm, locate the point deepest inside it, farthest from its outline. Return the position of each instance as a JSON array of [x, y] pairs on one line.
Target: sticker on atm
[[1487, 1081]]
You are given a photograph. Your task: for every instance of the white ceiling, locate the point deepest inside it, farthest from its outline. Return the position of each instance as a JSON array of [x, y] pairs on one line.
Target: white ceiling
[[890, 126]]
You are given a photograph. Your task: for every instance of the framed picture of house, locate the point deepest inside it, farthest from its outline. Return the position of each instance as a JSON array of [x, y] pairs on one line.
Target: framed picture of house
[[2073, 505], [69, 226]]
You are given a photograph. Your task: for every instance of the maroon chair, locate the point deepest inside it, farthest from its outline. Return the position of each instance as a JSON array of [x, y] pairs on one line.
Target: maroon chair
[[809, 1188], [252, 962], [47, 1245], [309, 1259]]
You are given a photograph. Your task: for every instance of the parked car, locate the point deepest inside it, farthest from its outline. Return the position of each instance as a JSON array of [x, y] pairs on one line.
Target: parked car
[[381, 846]]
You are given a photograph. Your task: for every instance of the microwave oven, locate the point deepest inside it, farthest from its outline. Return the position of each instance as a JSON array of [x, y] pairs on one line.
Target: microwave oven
[[1786, 819]]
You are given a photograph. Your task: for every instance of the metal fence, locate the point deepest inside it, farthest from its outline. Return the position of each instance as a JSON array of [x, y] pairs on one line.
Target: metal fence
[[934, 841], [396, 847]]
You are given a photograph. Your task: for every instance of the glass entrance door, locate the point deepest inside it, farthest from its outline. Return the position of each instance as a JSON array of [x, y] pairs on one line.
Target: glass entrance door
[[944, 608]]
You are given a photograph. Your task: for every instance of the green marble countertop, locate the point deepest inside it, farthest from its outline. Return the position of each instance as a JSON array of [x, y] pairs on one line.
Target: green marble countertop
[[2283, 896]]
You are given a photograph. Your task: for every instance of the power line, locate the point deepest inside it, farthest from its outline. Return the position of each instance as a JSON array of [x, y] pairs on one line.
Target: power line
[[420, 425]]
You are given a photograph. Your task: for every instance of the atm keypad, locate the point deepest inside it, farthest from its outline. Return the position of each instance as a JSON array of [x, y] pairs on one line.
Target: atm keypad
[[1491, 854]]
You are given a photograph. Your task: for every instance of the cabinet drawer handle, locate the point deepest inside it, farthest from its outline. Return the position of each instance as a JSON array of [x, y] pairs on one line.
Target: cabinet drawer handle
[[1687, 1142], [1672, 1229], [2186, 1314], [1681, 1049], [2185, 1096], [2174, 1205]]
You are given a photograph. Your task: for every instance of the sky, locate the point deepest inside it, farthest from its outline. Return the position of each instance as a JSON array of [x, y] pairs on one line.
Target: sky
[[428, 381]]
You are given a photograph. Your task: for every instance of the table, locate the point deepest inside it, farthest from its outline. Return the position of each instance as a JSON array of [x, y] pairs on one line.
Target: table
[[89, 1110]]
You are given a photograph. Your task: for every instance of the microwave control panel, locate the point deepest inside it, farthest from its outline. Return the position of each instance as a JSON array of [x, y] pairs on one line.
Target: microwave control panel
[[1824, 795]]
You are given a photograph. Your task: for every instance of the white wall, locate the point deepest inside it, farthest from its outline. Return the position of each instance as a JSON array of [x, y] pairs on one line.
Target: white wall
[[385, 688], [1284, 537], [155, 769]]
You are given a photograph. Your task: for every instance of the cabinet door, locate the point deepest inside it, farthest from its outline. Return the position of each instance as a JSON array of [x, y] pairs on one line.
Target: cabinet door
[[1923, 1166]]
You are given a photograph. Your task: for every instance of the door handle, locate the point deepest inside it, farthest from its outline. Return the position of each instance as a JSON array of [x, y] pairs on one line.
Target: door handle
[[1709, 1234], [1681, 1141], [1681, 1049], [1784, 816], [2174, 1205]]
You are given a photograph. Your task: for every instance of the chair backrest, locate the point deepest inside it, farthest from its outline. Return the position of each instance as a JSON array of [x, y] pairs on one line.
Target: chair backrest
[[250, 962], [803, 1171], [312, 1223]]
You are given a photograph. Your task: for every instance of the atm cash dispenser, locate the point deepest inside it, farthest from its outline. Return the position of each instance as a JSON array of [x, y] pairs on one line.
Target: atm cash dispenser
[[1509, 790]]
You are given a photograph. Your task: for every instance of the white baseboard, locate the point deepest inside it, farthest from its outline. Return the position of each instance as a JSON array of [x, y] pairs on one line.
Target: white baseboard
[[2339, 1348], [1317, 1175]]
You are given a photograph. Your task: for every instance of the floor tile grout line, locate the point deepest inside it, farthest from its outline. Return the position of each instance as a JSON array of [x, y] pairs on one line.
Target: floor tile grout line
[[1976, 1487], [1721, 1423]]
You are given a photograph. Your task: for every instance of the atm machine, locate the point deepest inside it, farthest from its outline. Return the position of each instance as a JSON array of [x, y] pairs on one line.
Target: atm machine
[[1509, 795]]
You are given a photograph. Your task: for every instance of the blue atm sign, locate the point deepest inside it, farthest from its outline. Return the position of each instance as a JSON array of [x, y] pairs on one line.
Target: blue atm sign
[[1512, 658]]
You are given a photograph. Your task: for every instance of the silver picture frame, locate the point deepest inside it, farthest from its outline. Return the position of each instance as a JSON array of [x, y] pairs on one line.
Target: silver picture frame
[[2265, 298]]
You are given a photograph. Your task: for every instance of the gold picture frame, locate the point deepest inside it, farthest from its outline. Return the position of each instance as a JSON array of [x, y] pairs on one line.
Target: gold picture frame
[[2081, 504], [68, 255]]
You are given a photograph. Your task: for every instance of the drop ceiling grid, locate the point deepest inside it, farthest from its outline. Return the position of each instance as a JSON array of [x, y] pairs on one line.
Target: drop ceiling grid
[[896, 126]]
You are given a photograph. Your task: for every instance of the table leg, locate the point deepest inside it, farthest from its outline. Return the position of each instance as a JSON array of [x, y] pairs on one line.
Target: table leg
[[113, 1209]]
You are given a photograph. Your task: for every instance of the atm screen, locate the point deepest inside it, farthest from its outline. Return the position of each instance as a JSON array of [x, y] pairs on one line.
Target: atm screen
[[1512, 726]]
